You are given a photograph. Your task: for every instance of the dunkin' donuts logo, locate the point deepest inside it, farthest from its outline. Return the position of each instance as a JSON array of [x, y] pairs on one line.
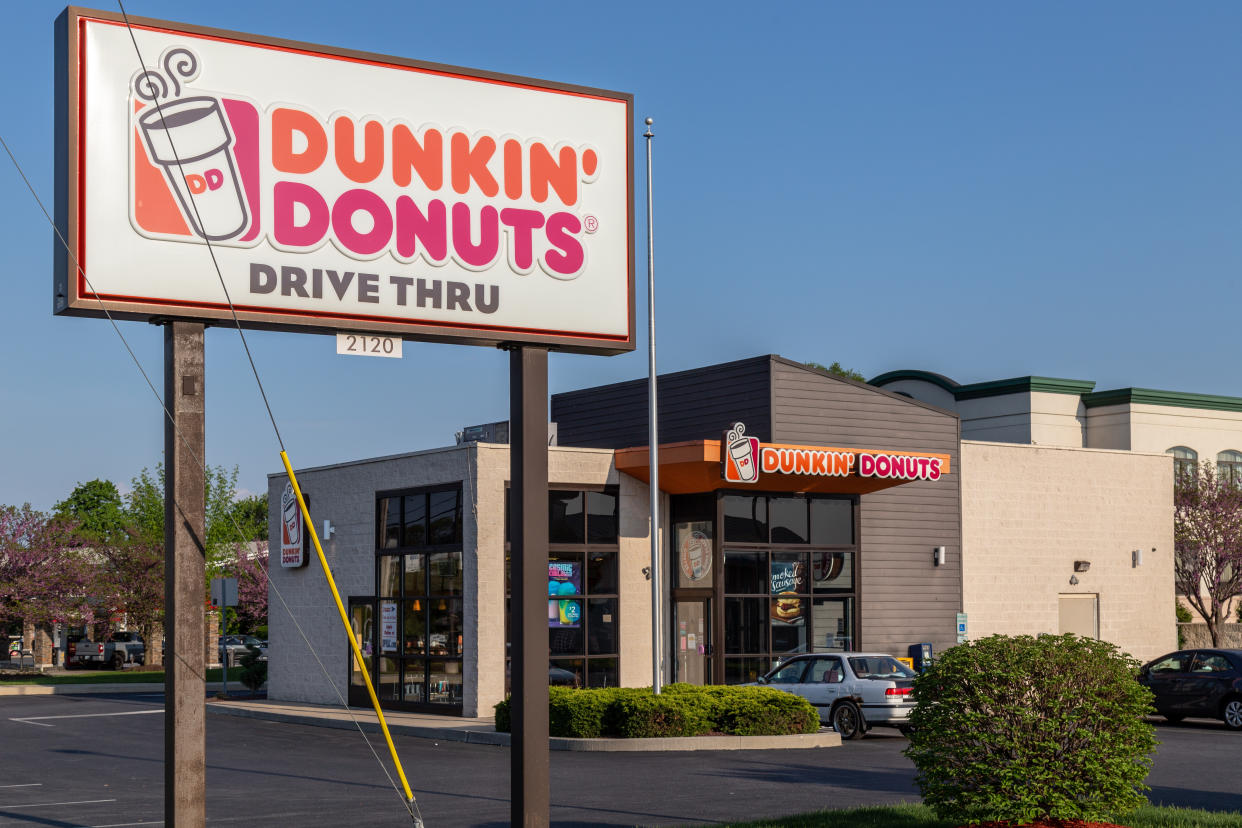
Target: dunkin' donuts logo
[[217, 167], [744, 458]]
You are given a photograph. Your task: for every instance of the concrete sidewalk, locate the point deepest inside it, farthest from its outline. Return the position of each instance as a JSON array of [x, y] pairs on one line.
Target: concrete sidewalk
[[483, 730]]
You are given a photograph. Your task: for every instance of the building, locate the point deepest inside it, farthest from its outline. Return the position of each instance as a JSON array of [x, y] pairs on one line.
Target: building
[[799, 512]]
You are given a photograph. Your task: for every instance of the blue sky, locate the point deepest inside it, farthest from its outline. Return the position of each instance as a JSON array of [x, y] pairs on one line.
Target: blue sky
[[984, 190]]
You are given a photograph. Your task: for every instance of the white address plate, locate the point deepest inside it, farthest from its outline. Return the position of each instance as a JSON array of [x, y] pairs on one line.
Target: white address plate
[[364, 344]]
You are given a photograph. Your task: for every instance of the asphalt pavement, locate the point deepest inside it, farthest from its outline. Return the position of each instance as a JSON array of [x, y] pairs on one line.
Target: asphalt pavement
[[98, 761]]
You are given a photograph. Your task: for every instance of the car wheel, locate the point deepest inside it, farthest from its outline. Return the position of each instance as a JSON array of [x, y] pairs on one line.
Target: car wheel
[[847, 720], [118, 661], [1232, 713]]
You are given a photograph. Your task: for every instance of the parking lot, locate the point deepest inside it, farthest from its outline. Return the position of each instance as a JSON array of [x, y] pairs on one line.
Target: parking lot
[[98, 761]]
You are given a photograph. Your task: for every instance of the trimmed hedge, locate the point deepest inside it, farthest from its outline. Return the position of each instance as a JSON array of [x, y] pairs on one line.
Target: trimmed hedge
[[681, 710]]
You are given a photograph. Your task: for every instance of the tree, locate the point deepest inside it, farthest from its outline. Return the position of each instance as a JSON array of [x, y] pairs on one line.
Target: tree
[[43, 571], [1207, 543], [250, 569], [224, 513], [96, 509], [130, 579], [838, 370]]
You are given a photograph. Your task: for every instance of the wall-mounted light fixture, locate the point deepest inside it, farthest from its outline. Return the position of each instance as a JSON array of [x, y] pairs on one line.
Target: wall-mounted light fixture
[[1073, 580], [1136, 558], [1082, 566], [938, 556], [328, 529]]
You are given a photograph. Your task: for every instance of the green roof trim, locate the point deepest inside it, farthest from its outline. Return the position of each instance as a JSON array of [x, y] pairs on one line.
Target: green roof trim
[[1151, 396], [1021, 385], [910, 374], [995, 388]]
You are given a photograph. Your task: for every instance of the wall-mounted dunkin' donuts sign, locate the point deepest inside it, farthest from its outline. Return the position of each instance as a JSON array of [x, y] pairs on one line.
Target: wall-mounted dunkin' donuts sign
[[337, 190]]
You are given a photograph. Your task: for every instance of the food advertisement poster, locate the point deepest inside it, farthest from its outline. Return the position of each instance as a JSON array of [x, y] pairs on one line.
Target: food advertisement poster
[[788, 579]]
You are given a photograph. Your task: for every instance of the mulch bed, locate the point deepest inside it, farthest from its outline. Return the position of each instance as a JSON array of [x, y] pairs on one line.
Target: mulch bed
[[1048, 823]]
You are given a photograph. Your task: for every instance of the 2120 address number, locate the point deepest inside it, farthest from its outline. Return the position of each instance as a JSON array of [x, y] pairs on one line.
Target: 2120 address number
[[357, 344]]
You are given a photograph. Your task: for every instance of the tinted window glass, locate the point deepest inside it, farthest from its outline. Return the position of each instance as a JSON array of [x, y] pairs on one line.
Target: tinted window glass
[[746, 519], [788, 520], [746, 625], [444, 573], [602, 672], [601, 517], [566, 519], [444, 518], [746, 572], [602, 571], [389, 522], [415, 575], [445, 638], [832, 522], [415, 520], [415, 627], [832, 571], [1211, 663], [602, 626], [1175, 663], [388, 579], [739, 670], [826, 670]]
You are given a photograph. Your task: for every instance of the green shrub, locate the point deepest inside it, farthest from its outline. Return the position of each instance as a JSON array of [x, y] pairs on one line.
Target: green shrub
[[681, 710], [1021, 728], [254, 672], [1183, 614]]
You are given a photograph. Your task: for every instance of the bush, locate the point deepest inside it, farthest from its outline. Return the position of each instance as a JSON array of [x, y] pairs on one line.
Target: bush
[[254, 672], [681, 710], [1021, 728]]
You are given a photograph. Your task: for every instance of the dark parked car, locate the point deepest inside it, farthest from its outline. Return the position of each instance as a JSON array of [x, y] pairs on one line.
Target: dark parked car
[[1204, 683]]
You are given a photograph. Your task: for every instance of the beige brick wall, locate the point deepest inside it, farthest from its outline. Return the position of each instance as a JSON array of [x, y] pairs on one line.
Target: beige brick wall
[[1029, 512]]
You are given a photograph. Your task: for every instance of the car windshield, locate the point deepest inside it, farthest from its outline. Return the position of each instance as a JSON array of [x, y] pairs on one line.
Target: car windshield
[[880, 667]]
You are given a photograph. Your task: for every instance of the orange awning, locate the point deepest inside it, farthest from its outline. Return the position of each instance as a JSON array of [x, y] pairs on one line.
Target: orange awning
[[695, 466]]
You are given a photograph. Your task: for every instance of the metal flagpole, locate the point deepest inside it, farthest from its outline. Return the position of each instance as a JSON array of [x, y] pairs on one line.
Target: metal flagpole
[[653, 446]]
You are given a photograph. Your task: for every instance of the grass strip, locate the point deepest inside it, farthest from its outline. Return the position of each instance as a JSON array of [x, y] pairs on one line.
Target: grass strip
[[106, 677], [920, 816]]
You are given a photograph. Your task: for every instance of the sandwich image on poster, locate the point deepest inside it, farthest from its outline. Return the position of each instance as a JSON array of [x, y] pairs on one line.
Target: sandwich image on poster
[[564, 578]]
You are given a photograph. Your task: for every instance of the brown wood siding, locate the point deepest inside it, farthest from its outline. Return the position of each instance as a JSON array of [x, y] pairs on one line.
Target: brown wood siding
[[693, 405], [904, 598]]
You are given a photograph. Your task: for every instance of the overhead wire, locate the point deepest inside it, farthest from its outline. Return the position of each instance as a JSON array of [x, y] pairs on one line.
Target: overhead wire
[[410, 804]]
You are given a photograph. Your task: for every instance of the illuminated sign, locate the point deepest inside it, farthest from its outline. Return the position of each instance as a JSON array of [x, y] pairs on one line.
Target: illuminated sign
[[745, 458], [338, 190]]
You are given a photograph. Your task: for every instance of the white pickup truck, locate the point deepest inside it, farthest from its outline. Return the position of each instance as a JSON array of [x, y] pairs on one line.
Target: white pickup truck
[[121, 649]]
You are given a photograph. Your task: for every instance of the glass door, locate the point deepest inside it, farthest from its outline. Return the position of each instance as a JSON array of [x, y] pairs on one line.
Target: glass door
[[362, 624], [692, 628]]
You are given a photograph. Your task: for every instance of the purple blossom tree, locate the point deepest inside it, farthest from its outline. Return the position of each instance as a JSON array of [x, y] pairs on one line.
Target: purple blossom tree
[[250, 569], [44, 575], [1207, 541]]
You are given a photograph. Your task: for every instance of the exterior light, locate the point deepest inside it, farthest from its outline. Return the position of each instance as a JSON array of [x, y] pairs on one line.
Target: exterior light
[[1082, 566], [1136, 557], [938, 556]]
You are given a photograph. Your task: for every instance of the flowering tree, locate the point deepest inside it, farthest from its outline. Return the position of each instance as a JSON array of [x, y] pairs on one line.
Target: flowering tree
[[250, 569], [1207, 541], [43, 576], [130, 577]]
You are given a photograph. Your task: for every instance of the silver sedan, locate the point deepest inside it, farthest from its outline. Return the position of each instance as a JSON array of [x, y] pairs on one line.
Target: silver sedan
[[852, 691]]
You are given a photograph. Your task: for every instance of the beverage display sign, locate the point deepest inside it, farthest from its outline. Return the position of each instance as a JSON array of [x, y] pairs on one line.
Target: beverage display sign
[[337, 190], [564, 578], [292, 536], [388, 626]]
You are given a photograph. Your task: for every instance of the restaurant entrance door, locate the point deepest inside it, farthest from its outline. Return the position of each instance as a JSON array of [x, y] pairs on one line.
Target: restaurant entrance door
[[362, 625], [692, 630]]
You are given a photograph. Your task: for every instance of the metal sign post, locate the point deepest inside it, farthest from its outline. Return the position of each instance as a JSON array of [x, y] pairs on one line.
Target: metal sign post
[[224, 595], [528, 474], [185, 617]]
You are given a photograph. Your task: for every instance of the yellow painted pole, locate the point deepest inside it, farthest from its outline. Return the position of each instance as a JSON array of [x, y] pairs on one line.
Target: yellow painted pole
[[349, 633]]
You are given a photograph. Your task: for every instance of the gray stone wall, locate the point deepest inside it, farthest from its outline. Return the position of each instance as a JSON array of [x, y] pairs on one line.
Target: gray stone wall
[[1196, 635]]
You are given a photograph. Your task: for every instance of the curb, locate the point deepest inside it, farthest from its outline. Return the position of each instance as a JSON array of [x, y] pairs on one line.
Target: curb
[[823, 739], [89, 689]]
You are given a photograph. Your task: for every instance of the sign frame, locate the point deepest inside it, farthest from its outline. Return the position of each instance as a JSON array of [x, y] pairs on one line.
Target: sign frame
[[73, 298]]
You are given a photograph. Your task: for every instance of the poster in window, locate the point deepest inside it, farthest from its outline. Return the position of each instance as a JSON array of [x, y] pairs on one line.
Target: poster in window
[[564, 579], [388, 626], [788, 578], [694, 553]]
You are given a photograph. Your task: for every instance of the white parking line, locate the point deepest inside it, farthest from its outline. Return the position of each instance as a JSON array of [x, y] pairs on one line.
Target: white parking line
[[123, 824], [52, 804], [24, 785], [37, 720]]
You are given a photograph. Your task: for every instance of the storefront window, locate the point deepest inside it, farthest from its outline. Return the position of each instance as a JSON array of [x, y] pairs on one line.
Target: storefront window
[[582, 587], [694, 552], [420, 608], [796, 593]]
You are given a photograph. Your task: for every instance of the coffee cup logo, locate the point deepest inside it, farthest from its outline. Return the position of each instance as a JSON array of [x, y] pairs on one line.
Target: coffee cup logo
[[291, 520], [741, 456], [189, 139]]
